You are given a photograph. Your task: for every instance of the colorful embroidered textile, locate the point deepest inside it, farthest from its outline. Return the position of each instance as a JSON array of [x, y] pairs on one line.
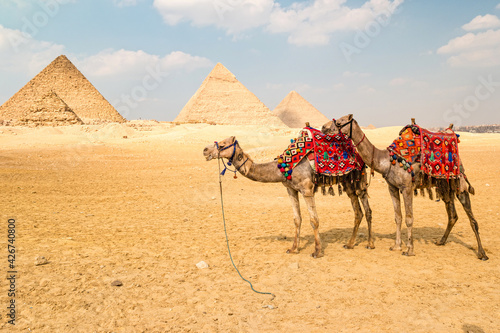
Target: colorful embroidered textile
[[440, 154], [437, 152], [333, 155]]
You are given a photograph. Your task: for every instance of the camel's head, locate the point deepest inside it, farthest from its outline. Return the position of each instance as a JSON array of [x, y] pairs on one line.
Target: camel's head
[[330, 128], [222, 148], [344, 124]]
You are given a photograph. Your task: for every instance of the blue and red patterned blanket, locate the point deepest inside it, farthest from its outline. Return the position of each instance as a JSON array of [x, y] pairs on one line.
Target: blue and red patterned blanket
[[333, 155], [436, 151]]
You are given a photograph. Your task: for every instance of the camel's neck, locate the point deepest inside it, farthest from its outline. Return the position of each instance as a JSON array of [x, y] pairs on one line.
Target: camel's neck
[[260, 172], [372, 156]]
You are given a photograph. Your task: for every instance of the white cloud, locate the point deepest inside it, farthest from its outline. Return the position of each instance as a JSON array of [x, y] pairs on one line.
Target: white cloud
[[487, 21], [313, 24], [234, 16], [473, 49], [399, 81], [110, 62], [366, 89], [498, 6], [306, 23], [20, 52]]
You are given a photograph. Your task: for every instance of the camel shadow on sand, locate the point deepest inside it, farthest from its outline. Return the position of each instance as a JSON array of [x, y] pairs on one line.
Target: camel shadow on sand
[[340, 236]]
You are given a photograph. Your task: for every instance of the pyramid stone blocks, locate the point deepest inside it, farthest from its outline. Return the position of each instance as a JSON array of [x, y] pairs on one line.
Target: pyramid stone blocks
[[70, 85]]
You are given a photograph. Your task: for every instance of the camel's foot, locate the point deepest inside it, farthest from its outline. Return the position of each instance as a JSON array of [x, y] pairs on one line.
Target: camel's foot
[[483, 256], [317, 254], [395, 248], [440, 243], [349, 247], [408, 253], [370, 246], [292, 250]]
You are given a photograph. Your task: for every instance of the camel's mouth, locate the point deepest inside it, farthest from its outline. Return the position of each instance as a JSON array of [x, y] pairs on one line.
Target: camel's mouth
[[208, 153]]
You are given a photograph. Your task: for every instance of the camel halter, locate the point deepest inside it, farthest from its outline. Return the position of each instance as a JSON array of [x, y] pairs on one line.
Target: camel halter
[[372, 172], [229, 160], [342, 126]]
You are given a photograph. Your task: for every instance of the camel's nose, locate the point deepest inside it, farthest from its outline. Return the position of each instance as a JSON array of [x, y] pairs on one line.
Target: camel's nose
[[205, 150]]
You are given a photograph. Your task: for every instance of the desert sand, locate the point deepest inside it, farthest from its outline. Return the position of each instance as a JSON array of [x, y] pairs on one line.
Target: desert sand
[[145, 210]]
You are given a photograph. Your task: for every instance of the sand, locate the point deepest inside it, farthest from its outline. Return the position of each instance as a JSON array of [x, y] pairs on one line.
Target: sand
[[145, 210]]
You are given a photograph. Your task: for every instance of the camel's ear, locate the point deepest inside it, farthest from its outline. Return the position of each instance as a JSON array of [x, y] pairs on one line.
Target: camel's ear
[[349, 117], [232, 139]]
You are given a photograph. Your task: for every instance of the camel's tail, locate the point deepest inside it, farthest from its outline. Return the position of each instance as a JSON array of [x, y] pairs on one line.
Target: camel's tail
[[471, 189]]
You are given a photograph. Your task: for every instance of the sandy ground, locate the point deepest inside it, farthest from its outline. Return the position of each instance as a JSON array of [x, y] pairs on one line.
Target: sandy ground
[[145, 210]]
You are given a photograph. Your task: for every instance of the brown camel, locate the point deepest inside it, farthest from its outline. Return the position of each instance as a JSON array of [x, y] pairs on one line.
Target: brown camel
[[302, 181], [400, 181]]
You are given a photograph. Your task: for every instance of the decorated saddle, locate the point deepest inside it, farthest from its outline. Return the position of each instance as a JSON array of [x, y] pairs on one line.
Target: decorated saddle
[[437, 152], [332, 155]]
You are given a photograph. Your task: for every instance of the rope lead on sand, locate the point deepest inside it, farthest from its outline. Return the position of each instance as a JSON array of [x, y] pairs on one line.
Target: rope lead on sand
[[227, 239]]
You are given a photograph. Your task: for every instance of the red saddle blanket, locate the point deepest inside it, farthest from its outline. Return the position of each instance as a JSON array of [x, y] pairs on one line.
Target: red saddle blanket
[[437, 152], [333, 155]]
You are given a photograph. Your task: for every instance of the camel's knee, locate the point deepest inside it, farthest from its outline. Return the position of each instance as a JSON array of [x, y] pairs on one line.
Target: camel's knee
[[314, 224]]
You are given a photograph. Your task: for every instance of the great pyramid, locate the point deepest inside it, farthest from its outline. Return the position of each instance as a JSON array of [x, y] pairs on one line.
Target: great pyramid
[[50, 110], [69, 84], [295, 111], [222, 99]]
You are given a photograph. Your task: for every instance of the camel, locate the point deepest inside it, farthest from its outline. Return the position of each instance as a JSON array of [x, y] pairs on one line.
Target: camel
[[400, 181], [302, 181]]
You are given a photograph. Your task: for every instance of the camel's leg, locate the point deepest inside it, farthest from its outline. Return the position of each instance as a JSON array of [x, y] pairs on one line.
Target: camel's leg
[[358, 216], [368, 213], [297, 219], [465, 201], [408, 199], [452, 217], [396, 202], [311, 206]]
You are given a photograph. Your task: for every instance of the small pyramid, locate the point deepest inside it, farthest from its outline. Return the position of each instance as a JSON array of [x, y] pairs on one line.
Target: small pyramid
[[295, 111], [222, 99], [71, 86], [50, 110]]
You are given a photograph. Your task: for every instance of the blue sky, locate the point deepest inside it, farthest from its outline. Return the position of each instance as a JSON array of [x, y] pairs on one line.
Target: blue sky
[[385, 61]]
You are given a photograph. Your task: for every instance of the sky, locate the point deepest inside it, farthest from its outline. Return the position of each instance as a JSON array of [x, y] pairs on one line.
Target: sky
[[385, 61]]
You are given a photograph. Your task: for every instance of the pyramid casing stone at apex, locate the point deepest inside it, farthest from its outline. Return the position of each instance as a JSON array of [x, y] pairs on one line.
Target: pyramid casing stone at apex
[[71, 86]]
